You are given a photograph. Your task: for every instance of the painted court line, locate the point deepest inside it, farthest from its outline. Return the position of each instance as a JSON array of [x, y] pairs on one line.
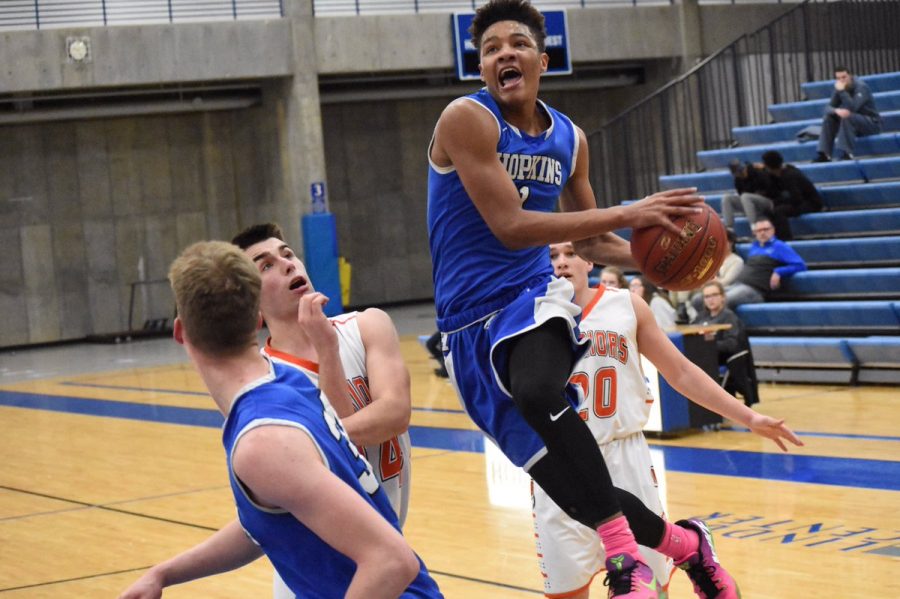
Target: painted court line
[[844, 472]]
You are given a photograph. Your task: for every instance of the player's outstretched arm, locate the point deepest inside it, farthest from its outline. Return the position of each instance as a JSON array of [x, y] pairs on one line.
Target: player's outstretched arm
[[388, 414], [689, 380], [282, 468], [227, 549]]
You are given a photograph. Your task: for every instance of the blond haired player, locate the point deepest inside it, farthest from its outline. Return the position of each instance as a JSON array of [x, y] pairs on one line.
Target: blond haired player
[[615, 403], [304, 495]]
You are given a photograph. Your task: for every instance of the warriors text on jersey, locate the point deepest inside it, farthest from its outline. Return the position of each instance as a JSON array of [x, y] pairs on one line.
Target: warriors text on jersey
[[391, 459], [311, 567], [474, 273], [615, 399]]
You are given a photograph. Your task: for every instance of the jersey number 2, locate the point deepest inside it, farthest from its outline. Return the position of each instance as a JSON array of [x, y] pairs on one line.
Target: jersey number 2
[[600, 393]]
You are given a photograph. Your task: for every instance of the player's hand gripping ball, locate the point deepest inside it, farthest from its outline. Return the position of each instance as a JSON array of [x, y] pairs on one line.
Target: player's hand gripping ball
[[686, 262]]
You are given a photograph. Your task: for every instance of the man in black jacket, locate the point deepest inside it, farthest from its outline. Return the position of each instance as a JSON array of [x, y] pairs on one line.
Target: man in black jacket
[[850, 114], [755, 190], [795, 195]]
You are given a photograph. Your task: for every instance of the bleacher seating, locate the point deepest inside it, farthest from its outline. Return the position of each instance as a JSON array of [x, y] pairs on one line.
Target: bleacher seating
[[810, 109], [822, 317], [779, 132], [849, 252], [834, 283], [857, 223], [792, 151], [863, 170], [840, 320], [882, 82], [845, 197]]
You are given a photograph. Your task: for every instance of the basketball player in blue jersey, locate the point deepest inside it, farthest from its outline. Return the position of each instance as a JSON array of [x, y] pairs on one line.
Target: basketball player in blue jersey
[[500, 161], [615, 403], [304, 495], [353, 358]]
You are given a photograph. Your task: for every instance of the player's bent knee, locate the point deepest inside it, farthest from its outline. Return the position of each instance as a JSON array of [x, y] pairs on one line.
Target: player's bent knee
[[538, 399]]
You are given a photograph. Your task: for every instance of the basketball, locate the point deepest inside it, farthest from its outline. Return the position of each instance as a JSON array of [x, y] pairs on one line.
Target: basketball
[[686, 262]]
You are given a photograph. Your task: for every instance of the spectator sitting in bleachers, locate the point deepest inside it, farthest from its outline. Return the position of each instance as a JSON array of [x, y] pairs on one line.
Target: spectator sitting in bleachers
[[769, 260], [796, 193], [660, 306], [612, 276], [732, 345], [755, 190], [850, 113], [728, 274]]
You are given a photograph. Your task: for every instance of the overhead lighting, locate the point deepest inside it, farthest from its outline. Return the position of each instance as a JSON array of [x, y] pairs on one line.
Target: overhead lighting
[[78, 49]]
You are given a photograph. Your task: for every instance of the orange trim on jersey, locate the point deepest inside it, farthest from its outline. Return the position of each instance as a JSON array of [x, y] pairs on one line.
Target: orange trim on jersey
[[307, 364], [336, 321], [571, 593], [593, 302]]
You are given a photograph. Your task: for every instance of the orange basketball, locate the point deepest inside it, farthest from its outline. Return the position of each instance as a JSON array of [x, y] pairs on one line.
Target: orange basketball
[[686, 262]]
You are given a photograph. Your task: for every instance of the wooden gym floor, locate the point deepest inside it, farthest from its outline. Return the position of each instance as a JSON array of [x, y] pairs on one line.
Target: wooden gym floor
[[112, 461]]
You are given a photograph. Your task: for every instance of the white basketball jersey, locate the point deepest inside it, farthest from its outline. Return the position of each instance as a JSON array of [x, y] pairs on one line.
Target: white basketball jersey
[[614, 396], [391, 459]]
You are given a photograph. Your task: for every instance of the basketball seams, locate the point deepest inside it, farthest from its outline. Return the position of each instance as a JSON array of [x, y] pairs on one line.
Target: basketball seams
[[654, 254], [652, 246], [698, 246]]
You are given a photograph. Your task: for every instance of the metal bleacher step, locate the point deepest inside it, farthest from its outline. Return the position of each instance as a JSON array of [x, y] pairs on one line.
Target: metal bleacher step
[[860, 170], [870, 359], [792, 151], [842, 197], [822, 318], [841, 283], [783, 132], [810, 109], [882, 82], [857, 223], [866, 252]]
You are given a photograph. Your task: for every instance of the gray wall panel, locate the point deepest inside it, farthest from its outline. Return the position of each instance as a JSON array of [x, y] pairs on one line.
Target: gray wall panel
[[84, 203], [39, 290], [92, 158]]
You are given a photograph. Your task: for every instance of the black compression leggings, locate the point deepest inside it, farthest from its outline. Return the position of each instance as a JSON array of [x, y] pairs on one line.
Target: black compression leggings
[[573, 472]]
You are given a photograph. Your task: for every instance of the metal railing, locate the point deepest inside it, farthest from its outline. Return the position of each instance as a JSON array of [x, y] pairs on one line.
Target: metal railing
[[734, 87], [46, 14], [333, 8], [337, 8]]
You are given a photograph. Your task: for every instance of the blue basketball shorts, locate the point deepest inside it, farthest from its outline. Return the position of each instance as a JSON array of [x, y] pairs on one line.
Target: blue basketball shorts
[[477, 359]]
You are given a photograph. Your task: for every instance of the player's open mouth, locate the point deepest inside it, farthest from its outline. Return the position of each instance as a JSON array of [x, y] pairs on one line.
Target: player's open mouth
[[509, 76], [297, 283]]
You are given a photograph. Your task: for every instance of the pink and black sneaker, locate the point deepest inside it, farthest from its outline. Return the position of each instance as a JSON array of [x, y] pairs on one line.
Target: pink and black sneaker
[[711, 580], [627, 577]]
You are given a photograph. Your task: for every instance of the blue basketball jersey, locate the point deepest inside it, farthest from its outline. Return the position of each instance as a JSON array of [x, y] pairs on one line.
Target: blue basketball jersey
[[309, 566], [474, 274]]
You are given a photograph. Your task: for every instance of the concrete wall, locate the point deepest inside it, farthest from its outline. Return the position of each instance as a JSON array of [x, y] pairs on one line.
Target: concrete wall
[[89, 206], [92, 206], [141, 55], [146, 55]]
